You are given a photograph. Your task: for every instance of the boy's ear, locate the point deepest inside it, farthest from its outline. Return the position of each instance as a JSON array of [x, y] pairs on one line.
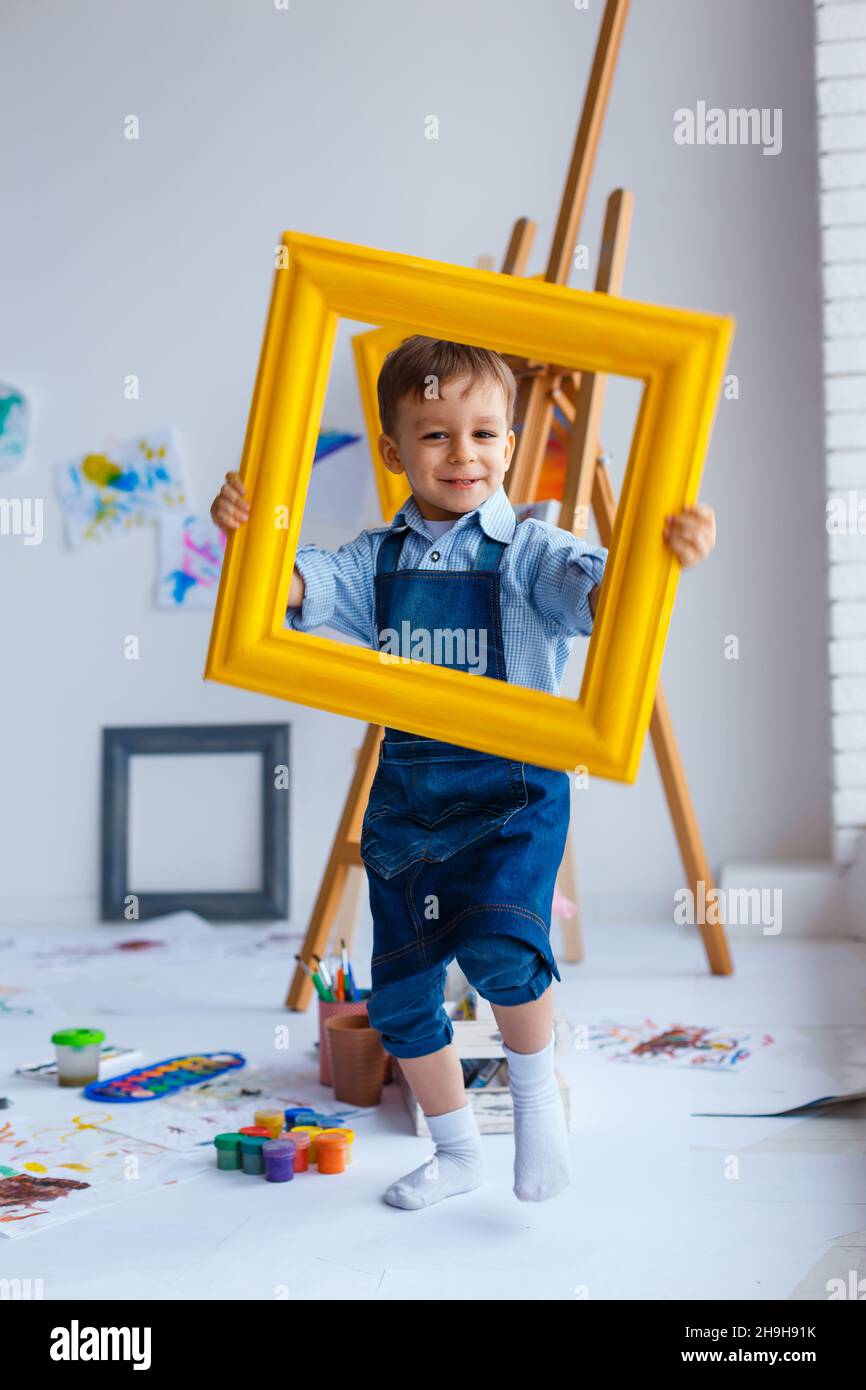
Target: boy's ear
[[389, 453], [509, 448]]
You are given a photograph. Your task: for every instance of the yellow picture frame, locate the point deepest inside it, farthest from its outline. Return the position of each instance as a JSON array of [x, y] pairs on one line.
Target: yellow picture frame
[[680, 356], [370, 350]]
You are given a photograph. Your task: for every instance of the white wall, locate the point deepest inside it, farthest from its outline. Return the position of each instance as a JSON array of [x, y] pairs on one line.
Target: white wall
[[155, 257], [840, 63]]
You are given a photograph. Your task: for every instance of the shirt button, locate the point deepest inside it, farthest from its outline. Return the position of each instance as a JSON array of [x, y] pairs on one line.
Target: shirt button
[[434, 554]]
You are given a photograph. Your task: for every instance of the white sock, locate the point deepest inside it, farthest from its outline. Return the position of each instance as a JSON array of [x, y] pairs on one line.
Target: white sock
[[457, 1165], [541, 1156]]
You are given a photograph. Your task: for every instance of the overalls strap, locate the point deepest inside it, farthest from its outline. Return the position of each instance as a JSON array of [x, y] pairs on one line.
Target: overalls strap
[[389, 551], [489, 555]]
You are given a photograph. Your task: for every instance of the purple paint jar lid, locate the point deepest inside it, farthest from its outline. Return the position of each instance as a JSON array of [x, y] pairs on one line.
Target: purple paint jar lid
[[280, 1148]]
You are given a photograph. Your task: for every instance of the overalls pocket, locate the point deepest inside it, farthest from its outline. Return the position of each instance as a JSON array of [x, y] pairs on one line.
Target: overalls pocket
[[430, 799]]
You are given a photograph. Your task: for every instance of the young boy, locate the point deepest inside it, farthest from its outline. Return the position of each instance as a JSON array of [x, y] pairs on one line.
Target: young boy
[[462, 848]]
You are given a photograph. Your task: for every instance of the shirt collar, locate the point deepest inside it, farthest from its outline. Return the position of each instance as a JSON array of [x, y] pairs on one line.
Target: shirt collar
[[495, 516]]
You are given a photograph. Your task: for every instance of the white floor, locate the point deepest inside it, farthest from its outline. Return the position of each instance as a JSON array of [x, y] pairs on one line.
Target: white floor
[[652, 1212]]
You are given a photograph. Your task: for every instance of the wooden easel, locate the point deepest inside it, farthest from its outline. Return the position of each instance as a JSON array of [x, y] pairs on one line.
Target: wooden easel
[[579, 397]]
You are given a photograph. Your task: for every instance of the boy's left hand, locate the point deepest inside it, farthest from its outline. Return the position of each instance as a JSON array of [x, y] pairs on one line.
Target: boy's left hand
[[691, 534]]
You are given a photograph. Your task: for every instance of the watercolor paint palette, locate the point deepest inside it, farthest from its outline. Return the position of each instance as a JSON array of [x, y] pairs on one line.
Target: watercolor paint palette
[[164, 1078]]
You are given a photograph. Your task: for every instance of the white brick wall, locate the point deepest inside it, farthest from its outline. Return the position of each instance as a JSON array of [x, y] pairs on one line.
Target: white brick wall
[[840, 65]]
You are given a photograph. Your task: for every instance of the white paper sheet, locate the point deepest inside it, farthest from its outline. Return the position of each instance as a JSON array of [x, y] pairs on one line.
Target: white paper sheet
[[54, 1172]]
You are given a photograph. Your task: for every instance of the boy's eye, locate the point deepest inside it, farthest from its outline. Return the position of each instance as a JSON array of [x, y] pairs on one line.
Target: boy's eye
[[436, 434]]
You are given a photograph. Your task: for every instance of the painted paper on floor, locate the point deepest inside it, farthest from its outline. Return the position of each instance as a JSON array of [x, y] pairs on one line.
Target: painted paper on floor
[[185, 934], [191, 1118], [191, 550], [676, 1044], [108, 494], [112, 1060], [17, 1002], [51, 1173]]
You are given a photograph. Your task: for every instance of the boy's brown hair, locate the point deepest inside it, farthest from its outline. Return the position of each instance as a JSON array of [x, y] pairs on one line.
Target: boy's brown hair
[[407, 369]]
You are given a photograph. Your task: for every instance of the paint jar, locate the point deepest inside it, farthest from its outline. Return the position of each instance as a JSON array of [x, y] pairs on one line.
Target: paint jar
[[331, 1149], [303, 1144], [271, 1120], [349, 1136], [252, 1159], [260, 1130], [228, 1151], [78, 1051], [313, 1131], [299, 1115], [279, 1156], [332, 1121]]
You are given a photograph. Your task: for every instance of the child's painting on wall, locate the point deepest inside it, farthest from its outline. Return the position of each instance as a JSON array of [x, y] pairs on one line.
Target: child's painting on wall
[[191, 550], [110, 493]]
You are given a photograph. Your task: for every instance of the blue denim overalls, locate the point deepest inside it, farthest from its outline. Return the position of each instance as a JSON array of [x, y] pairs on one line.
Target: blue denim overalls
[[461, 848]]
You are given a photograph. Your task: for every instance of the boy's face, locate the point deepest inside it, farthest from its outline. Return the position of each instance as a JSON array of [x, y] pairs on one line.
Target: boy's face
[[455, 449]]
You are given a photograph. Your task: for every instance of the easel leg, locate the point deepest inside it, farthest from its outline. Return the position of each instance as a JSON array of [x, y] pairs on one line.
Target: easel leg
[[522, 478], [345, 853], [571, 927], [679, 800]]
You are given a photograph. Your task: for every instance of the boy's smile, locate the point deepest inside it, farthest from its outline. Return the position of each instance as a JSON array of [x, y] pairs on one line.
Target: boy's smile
[[455, 449]]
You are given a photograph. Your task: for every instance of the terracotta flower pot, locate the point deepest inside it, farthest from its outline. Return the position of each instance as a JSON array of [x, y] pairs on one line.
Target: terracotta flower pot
[[337, 1010], [357, 1059]]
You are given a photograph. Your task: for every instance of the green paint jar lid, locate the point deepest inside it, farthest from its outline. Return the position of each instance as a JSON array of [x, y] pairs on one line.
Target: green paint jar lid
[[227, 1141], [78, 1037]]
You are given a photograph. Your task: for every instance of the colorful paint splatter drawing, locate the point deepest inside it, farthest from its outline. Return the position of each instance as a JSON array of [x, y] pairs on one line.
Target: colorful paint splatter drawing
[[15, 1000], [82, 953], [680, 1045], [14, 426], [191, 550], [54, 1173], [105, 494]]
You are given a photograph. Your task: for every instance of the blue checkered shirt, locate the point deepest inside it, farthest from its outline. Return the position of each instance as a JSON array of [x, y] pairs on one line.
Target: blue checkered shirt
[[545, 574]]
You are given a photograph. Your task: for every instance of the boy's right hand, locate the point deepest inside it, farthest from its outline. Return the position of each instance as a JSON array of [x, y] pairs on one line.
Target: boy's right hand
[[229, 509]]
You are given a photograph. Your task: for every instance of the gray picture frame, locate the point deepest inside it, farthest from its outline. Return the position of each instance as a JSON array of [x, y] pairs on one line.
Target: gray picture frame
[[119, 744]]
